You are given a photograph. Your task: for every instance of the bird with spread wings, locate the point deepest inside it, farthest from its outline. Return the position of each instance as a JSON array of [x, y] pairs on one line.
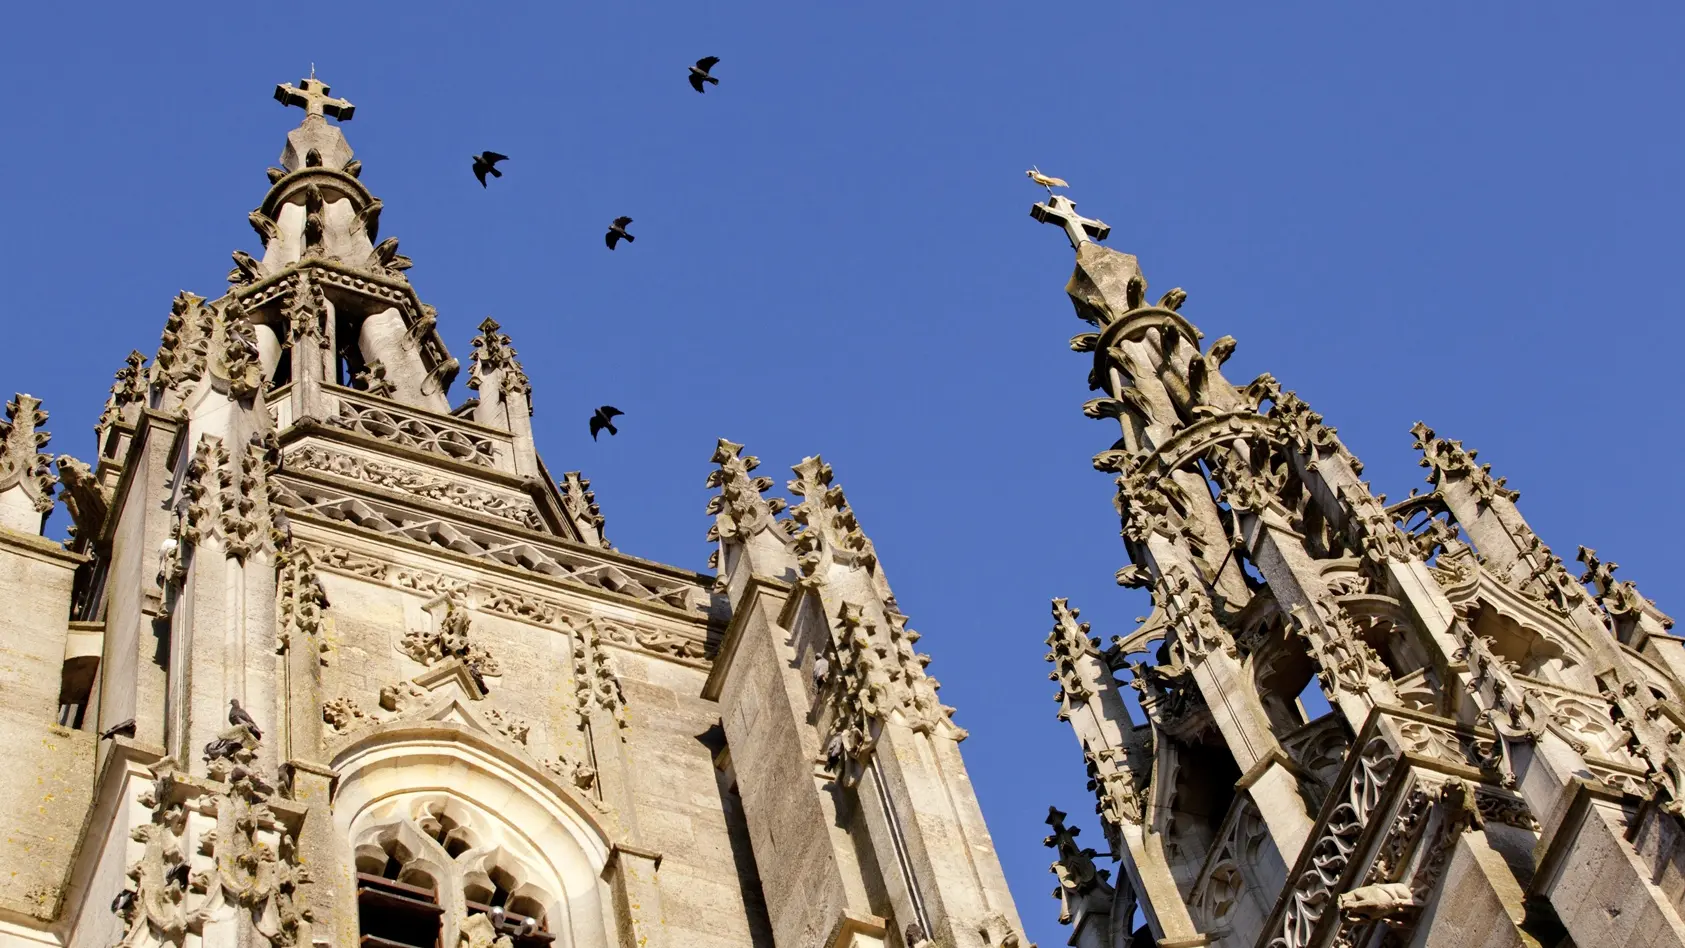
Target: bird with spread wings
[[699, 72]]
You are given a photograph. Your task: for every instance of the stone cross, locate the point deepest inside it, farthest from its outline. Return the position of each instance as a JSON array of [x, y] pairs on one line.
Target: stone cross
[[313, 98], [1061, 210]]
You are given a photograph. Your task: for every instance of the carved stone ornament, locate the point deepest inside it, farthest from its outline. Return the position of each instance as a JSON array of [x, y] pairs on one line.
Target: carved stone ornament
[[596, 684], [1309, 894], [128, 394], [1079, 879], [344, 714], [1068, 644], [739, 510], [512, 727], [206, 849], [495, 355], [186, 343], [581, 506], [23, 465], [1448, 460], [448, 638], [829, 533], [1188, 606], [372, 379], [393, 477]]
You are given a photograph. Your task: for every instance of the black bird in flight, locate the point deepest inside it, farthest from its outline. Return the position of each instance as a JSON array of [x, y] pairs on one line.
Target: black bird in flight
[[483, 163], [126, 729], [699, 72], [238, 716], [600, 420], [616, 231]]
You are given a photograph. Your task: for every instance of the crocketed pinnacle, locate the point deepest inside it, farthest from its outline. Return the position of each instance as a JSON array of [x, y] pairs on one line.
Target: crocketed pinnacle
[[739, 510]]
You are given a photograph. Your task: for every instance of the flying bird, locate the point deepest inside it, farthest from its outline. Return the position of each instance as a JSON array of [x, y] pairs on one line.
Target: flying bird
[[483, 163], [125, 729], [616, 231], [600, 420], [699, 72], [1047, 181], [238, 716]]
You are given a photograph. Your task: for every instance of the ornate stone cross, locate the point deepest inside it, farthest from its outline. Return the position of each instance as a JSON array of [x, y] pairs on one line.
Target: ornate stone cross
[[313, 98], [1061, 210]]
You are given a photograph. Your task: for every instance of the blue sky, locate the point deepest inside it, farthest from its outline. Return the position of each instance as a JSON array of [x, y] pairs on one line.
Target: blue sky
[[1465, 214]]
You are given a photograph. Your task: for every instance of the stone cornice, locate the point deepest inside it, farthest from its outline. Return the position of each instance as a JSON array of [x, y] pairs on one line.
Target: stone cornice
[[514, 530], [296, 181], [39, 548], [493, 567]]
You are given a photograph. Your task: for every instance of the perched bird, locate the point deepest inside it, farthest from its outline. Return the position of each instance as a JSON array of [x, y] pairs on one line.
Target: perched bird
[[221, 748], [699, 72], [126, 729], [617, 230], [483, 163], [238, 716], [821, 672], [600, 420], [1047, 181], [124, 899]]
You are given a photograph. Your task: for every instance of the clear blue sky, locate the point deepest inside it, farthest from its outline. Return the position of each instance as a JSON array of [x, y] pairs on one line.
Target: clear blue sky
[[1404, 211]]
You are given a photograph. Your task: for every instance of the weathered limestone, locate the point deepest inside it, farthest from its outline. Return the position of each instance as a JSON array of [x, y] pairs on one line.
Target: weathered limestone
[[1516, 773], [327, 657]]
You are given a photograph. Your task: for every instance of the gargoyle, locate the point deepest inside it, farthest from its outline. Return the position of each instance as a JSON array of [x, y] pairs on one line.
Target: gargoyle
[[246, 269]]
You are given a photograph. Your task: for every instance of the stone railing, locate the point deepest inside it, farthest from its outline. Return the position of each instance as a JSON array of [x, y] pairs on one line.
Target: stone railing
[[1413, 784], [434, 434]]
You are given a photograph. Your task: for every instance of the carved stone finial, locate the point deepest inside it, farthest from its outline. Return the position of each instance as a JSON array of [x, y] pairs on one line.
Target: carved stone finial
[[1061, 210], [1078, 877], [311, 95], [829, 533], [374, 381], [493, 353], [581, 505], [739, 510], [128, 394], [26, 474], [1068, 644]]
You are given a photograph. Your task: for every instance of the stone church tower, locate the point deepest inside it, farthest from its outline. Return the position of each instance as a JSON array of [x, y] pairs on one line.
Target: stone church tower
[[1501, 763], [367, 674]]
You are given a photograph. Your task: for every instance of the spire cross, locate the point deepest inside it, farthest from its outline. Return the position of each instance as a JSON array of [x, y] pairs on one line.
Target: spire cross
[[313, 98], [1062, 211]]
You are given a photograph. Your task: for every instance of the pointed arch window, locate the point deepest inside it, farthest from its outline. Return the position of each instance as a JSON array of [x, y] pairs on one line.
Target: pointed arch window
[[434, 854]]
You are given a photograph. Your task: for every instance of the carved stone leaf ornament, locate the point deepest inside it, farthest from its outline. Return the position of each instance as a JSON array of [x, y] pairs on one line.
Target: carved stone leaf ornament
[[22, 462], [739, 510]]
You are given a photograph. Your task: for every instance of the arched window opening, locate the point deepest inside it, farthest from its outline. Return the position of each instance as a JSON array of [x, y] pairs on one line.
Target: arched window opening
[[437, 854], [397, 898]]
